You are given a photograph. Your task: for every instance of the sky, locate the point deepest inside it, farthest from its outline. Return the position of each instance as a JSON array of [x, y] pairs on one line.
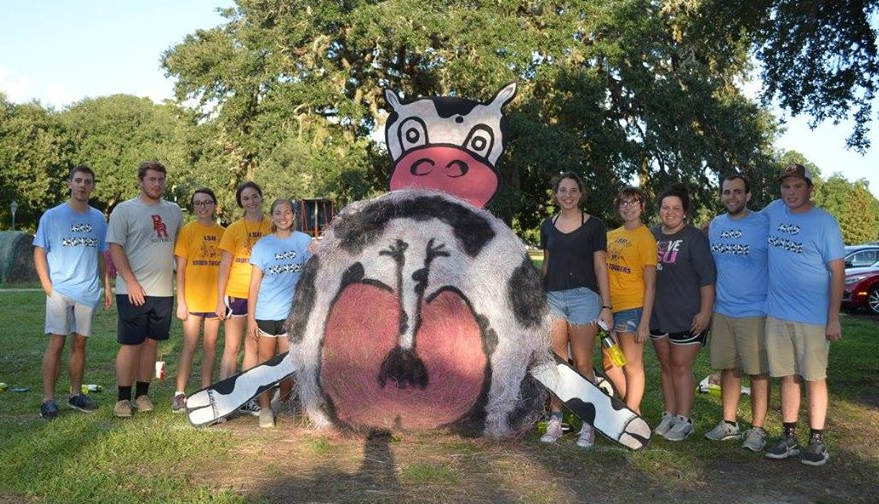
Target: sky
[[61, 51]]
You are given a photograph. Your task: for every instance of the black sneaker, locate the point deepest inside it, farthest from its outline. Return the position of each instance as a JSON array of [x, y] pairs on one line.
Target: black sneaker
[[178, 403], [816, 453], [82, 403], [787, 447], [250, 408], [49, 410]]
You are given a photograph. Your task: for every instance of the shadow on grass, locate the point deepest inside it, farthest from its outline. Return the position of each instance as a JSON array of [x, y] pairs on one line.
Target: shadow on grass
[[446, 468]]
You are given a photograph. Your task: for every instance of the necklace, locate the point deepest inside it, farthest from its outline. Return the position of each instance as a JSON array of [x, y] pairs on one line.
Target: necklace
[[247, 233]]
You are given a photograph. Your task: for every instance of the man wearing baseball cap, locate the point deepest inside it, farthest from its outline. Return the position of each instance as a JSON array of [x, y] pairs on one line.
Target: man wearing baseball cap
[[806, 280]]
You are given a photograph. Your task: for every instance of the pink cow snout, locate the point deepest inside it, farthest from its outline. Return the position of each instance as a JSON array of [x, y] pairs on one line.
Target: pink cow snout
[[449, 169]]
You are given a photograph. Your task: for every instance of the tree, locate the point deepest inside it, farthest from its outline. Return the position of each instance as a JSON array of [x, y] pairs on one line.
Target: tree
[[33, 161], [617, 91], [114, 134], [853, 206], [859, 221], [819, 58]]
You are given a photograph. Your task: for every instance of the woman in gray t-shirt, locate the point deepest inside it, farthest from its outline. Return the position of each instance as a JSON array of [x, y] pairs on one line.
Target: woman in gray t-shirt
[[685, 278]]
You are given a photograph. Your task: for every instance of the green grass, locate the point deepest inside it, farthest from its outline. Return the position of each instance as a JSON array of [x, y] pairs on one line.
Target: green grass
[[22, 285], [420, 472], [158, 457]]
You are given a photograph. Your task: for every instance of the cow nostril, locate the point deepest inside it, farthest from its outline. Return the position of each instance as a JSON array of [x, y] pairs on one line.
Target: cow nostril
[[404, 368], [421, 167], [457, 168]]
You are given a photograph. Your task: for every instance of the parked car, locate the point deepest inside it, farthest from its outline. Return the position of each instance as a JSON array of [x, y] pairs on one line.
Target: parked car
[[861, 256], [862, 291]]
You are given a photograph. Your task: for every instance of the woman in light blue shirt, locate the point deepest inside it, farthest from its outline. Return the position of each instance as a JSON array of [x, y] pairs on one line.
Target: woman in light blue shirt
[[278, 260]]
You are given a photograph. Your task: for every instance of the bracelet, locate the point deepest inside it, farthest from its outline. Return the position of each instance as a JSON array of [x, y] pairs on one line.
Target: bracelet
[[608, 307]]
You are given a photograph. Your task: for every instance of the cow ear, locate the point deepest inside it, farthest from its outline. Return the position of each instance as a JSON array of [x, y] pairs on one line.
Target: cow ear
[[505, 95], [392, 99]]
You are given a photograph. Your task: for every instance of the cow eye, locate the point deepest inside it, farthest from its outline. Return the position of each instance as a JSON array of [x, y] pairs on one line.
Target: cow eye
[[480, 140], [412, 133]]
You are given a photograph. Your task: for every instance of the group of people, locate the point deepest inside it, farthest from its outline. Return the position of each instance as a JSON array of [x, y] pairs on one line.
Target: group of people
[[766, 285], [243, 275]]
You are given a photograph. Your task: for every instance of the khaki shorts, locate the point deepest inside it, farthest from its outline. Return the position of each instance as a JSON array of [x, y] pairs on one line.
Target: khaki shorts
[[65, 316], [738, 343], [795, 348]]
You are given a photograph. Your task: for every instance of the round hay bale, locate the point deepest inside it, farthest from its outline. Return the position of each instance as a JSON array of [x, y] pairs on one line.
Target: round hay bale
[[420, 311], [17, 257]]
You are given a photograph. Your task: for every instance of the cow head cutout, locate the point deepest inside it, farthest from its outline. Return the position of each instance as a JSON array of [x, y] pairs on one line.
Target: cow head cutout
[[448, 144]]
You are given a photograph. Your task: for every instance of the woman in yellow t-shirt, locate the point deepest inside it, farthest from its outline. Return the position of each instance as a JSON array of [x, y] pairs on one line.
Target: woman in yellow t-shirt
[[198, 262], [233, 280], [631, 268]]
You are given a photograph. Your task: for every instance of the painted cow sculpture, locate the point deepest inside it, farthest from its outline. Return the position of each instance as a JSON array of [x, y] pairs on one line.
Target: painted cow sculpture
[[421, 310]]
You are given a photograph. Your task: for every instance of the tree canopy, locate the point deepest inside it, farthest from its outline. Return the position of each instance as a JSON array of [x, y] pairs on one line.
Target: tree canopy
[[34, 153], [817, 58], [290, 93], [618, 91]]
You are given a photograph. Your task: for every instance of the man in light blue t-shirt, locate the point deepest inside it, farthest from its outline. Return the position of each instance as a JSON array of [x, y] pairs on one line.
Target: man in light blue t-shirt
[[806, 280], [738, 345], [69, 259]]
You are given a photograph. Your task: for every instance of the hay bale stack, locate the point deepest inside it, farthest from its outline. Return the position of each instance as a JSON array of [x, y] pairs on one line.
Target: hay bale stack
[[17, 257]]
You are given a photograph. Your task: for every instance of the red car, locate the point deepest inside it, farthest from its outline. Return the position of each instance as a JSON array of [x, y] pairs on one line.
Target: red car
[[862, 291]]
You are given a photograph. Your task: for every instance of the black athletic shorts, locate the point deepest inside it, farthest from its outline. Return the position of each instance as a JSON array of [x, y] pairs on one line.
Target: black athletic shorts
[[137, 323], [682, 337], [271, 328]]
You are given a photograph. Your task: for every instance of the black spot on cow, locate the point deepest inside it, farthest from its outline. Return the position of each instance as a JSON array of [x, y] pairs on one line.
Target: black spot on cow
[[532, 397], [303, 300], [526, 295], [356, 231], [404, 368]]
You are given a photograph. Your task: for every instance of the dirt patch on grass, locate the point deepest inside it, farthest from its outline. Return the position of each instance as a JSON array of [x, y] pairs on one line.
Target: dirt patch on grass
[[294, 464]]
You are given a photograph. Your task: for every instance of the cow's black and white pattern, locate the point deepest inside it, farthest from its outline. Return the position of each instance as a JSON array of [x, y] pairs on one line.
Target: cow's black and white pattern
[[404, 264], [482, 259]]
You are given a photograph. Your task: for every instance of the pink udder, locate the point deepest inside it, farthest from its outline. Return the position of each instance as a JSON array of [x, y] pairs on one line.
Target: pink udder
[[363, 327]]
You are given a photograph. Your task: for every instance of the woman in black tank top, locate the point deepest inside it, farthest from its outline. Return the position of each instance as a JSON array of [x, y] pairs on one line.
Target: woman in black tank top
[[575, 277]]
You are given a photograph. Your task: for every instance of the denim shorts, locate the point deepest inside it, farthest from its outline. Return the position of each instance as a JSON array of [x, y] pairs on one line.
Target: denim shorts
[[578, 306], [627, 320]]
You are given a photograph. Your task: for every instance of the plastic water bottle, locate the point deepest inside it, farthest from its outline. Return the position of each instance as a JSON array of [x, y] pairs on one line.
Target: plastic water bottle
[[611, 347], [3, 387], [91, 388], [573, 421]]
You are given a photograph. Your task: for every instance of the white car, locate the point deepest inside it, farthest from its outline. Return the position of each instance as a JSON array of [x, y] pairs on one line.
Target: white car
[[858, 258]]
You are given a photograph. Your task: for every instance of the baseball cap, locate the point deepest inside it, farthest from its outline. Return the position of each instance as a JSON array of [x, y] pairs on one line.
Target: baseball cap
[[795, 170]]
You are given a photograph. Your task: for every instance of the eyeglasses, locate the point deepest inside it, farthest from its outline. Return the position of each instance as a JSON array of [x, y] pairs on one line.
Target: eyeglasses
[[629, 203], [203, 203]]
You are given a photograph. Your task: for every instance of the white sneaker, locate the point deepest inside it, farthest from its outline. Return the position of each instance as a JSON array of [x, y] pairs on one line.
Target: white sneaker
[[681, 429], [755, 439], [553, 430], [587, 436], [724, 431], [266, 418], [665, 424]]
